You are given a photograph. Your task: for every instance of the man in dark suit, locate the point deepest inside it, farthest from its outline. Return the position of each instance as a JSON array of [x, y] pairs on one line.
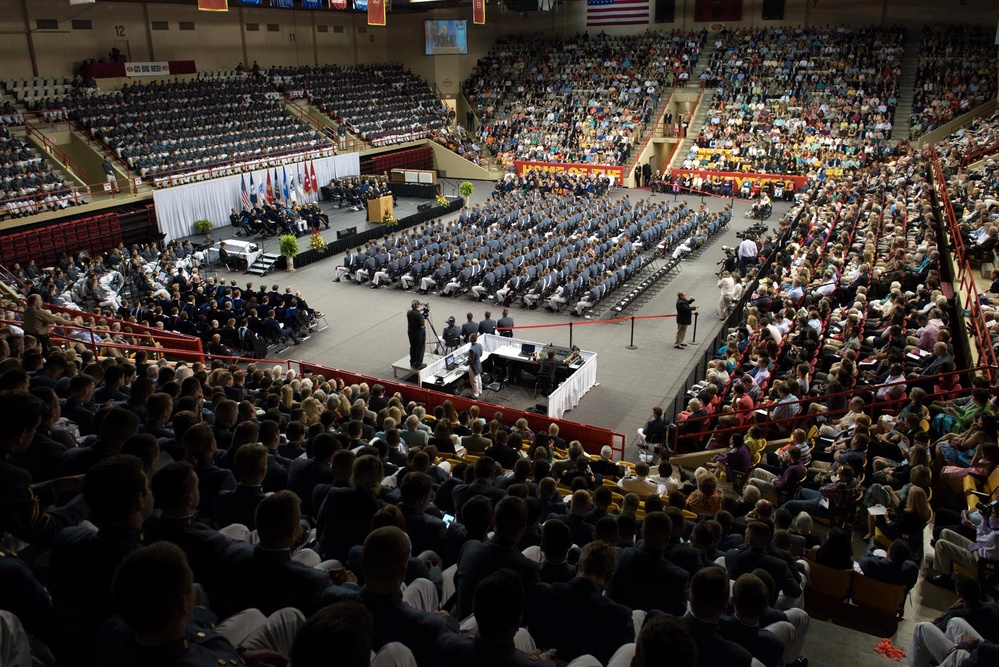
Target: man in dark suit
[[384, 561], [305, 474], [895, 568], [645, 579], [555, 543], [279, 581], [676, 552], [480, 559], [708, 597], [426, 532], [750, 600], [482, 485], [753, 554], [685, 308], [575, 617], [499, 610], [579, 507], [476, 443]]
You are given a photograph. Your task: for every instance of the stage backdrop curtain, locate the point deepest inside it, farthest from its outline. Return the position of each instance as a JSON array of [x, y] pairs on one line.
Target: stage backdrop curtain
[[178, 207]]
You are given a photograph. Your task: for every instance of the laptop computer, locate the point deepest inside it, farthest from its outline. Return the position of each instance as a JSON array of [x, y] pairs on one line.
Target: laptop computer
[[526, 350], [449, 362]]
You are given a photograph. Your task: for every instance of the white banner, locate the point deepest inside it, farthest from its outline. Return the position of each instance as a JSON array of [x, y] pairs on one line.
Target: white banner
[[147, 69]]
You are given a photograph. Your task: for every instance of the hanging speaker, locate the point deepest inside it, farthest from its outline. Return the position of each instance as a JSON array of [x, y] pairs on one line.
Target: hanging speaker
[[665, 11], [773, 10]]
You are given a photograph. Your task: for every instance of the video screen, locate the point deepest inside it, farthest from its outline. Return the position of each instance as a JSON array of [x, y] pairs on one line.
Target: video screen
[[446, 37]]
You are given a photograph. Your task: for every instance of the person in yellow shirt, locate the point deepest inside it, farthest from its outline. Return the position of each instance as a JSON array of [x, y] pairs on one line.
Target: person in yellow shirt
[[756, 442]]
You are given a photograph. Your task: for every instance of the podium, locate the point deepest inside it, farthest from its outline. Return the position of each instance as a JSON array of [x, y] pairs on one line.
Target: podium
[[377, 208]]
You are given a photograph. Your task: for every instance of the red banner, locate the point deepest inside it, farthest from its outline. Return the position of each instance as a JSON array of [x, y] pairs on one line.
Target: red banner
[[557, 167], [213, 5], [376, 12], [739, 177], [338, 4], [479, 12]]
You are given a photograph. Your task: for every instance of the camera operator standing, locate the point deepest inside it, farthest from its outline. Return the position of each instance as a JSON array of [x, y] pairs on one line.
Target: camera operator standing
[[417, 329]]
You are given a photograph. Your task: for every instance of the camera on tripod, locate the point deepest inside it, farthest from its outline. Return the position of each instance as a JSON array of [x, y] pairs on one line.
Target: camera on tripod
[[425, 310]]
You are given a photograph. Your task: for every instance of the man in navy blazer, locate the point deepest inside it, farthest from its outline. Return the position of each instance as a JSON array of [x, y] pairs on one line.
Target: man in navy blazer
[[575, 617], [644, 578], [482, 485], [478, 560], [895, 568], [754, 555]]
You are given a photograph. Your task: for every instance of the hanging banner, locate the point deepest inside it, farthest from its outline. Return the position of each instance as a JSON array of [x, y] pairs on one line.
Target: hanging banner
[[213, 5], [524, 166], [287, 4], [361, 5], [250, 2], [479, 12], [147, 69], [338, 4], [739, 177], [376, 12], [312, 4]]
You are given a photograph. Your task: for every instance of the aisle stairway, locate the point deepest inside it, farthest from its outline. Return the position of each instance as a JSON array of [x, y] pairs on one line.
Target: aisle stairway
[[906, 86], [693, 127]]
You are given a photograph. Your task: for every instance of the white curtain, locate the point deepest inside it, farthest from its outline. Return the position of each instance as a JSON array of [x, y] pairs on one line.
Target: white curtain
[[178, 207]]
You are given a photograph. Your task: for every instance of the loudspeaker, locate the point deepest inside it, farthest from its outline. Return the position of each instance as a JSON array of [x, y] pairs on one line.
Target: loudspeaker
[[665, 11], [424, 207], [773, 10]]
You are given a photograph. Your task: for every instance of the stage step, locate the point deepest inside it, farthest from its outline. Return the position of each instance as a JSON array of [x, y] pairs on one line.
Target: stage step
[[262, 265]]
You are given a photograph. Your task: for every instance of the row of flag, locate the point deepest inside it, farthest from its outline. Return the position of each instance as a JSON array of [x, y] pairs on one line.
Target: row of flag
[[223, 5], [375, 8], [297, 187]]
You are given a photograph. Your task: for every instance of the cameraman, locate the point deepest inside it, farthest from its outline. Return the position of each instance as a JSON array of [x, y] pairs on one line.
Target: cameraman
[[416, 326], [952, 547]]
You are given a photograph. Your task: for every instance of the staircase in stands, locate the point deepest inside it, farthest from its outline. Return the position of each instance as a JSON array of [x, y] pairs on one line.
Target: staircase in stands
[[906, 86], [696, 122]]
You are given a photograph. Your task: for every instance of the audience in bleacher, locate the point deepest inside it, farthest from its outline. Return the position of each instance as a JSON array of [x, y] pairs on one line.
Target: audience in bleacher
[[179, 128], [28, 185], [578, 99], [800, 100], [380, 104], [956, 72]]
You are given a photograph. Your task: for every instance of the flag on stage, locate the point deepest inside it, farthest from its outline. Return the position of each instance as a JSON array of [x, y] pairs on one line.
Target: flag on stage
[[270, 189], [616, 12], [213, 5], [253, 191], [244, 196], [376, 12], [262, 191], [284, 175], [313, 184], [297, 181]]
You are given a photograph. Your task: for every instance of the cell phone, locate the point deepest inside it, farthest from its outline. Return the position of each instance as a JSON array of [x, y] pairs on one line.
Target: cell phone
[[448, 518]]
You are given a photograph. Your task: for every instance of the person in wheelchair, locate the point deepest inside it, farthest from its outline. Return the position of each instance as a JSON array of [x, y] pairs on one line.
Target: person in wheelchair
[[762, 208]]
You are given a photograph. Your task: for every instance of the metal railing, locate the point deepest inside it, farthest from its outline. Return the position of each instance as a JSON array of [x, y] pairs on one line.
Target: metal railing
[[50, 147]]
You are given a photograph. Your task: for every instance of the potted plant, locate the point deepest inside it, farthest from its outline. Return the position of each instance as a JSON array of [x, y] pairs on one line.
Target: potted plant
[[288, 247], [389, 220], [465, 190], [203, 226]]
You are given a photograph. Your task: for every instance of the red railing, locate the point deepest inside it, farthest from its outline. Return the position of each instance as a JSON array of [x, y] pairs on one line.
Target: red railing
[[655, 124], [702, 429], [50, 147], [977, 155]]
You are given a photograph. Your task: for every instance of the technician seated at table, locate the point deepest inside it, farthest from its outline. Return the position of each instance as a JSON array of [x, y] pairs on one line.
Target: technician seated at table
[[549, 365]]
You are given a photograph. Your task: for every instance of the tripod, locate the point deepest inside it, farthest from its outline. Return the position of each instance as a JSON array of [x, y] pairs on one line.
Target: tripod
[[439, 347]]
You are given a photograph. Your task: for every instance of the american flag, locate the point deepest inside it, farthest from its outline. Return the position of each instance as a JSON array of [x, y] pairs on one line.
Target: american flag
[[616, 12]]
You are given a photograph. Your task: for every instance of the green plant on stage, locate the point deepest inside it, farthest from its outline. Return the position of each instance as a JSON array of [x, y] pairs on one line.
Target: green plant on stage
[[288, 247], [466, 189], [203, 226]]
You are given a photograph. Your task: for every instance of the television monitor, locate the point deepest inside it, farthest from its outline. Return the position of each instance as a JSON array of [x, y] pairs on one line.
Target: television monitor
[[446, 37], [449, 362]]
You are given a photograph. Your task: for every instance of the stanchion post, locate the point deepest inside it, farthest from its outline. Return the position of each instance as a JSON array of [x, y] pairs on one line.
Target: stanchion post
[[570, 334], [694, 337], [631, 346]]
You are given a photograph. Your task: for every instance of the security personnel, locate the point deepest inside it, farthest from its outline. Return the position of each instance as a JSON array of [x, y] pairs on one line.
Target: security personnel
[[487, 325], [468, 328]]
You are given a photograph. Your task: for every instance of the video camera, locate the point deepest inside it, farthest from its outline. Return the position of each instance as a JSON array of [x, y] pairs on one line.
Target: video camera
[[424, 310]]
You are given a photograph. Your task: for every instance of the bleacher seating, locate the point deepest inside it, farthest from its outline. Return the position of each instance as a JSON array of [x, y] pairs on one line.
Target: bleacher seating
[[380, 104], [169, 130], [579, 99], [956, 72], [28, 184], [797, 100]]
